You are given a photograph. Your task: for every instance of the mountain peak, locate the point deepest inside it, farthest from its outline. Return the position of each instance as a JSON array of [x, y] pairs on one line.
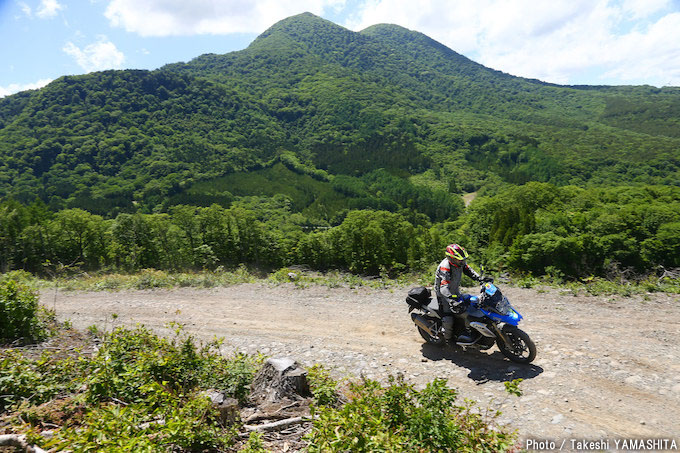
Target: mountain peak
[[304, 28]]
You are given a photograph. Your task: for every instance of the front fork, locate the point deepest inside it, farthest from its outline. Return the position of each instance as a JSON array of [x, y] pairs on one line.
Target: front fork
[[499, 331]]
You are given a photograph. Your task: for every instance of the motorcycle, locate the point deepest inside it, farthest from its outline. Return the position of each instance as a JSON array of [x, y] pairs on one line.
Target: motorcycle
[[490, 317]]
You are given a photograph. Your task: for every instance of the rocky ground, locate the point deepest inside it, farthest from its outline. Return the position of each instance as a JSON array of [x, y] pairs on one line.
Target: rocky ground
[[607, 368]]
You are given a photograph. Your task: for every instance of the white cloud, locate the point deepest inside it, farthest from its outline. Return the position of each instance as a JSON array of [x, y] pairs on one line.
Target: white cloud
[[48, 8], [645, 8], [181, 17], [25, 9], [97, 56], [651, 54], [15, 87], [556, 41]]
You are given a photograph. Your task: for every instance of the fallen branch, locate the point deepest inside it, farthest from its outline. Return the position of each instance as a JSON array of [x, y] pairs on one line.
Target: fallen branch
[[19, 441], [296, 403], [673, 274], [259, 417], [276, 426]]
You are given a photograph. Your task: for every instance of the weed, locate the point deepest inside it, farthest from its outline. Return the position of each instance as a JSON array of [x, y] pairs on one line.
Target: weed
[[20, 316], [94, 331], [399, 418], [139, 392], [255, 444], [324, 388], [150, 279], [512, 387], [35, 381]]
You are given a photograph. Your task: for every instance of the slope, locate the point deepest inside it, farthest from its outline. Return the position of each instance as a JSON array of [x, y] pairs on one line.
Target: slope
[[344, 102]]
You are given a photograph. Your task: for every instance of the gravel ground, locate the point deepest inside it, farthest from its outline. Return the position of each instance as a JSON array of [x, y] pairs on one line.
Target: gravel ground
[[607, 368]]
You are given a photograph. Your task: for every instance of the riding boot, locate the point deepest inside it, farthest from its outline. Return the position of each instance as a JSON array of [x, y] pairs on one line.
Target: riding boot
[[465, 338], [463, 334]]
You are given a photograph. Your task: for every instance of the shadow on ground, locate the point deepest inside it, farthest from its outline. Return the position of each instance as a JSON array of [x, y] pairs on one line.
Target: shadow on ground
[[483, 366]]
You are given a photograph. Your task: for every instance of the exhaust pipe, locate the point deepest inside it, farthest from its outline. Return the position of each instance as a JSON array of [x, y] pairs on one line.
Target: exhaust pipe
[[420, 321]]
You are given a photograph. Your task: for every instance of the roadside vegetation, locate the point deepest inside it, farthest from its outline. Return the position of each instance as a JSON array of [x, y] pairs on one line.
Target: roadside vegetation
[[149, 279]]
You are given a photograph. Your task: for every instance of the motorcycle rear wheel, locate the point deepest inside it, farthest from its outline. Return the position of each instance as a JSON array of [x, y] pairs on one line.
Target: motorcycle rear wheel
[[436, 341], [523, 349]]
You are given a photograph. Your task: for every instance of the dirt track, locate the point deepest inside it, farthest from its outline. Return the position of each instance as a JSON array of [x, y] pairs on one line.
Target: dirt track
[[607, 367]]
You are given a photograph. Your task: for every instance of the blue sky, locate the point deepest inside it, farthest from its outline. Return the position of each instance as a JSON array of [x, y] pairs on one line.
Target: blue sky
[[618, 42]]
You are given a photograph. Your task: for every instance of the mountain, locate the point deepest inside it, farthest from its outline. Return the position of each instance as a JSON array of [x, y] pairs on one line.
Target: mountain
[[341, 119]]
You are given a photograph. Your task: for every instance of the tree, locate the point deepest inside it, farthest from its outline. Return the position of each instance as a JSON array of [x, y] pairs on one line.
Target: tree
[[371, 241], [76, 236]]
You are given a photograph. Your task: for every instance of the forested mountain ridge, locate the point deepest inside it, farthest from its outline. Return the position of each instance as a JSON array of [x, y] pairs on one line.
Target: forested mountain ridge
[[320, 146], [429, 74], [324, 101]]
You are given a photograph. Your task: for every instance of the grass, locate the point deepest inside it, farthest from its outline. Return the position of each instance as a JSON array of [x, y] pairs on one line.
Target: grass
[[304, 278], [158, 279], [596, 286]]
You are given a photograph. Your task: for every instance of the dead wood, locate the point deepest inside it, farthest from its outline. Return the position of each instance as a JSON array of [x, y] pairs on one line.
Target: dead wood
[[277, 426]]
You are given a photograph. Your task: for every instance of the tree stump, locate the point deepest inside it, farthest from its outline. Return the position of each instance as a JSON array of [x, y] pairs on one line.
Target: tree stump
[[279, 379]]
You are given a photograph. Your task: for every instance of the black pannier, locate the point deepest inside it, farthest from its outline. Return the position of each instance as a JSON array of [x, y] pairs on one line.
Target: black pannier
[[417, 297]]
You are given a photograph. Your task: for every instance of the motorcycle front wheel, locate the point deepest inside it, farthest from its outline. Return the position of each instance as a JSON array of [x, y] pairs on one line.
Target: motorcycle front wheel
[[522, 349]]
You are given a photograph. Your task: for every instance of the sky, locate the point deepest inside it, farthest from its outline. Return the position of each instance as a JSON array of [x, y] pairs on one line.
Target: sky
[[569, 42]]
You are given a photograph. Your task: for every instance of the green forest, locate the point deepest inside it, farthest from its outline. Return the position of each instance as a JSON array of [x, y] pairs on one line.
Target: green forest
[[323, 147], [536, 228]]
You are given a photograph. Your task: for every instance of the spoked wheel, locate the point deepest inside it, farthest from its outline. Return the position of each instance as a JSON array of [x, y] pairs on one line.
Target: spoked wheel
[[522, 350], [437, 340]]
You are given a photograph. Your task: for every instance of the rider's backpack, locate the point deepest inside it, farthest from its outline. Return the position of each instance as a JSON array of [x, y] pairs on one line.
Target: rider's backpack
[[417, 297]]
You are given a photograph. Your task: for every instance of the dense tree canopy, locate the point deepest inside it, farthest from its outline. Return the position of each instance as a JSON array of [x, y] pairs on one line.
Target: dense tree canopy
[[537, 228]]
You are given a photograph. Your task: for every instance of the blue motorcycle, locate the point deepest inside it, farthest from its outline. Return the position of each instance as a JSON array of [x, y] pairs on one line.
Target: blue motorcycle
[[490, 318]]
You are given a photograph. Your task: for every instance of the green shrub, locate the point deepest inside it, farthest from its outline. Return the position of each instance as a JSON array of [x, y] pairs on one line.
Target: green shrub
[[399, 418], [20, 316], [179, 425], [324, 388], [19, 276], [35, 381], [131, 361], [139, 392], [151, 279]]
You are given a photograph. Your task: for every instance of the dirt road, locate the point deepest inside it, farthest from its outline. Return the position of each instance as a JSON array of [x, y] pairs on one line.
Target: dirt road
[[607, 367]]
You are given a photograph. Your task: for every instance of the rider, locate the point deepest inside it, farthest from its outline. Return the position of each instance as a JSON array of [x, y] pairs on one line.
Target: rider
[[447, 287]]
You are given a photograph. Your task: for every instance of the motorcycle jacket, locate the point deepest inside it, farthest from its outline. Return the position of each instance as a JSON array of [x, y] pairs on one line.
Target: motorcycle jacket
[[447, 280]]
